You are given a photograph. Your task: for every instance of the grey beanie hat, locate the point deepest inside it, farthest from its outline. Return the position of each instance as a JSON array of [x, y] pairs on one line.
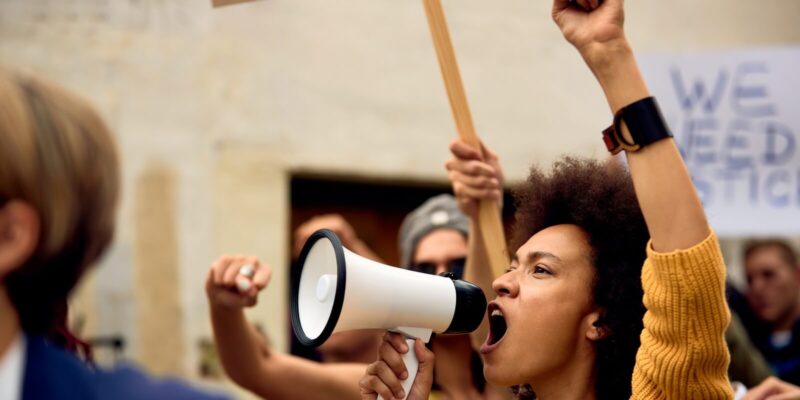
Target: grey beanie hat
[[438, 212]]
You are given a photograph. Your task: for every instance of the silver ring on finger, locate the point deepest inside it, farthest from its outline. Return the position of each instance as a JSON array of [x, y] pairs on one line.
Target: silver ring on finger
[[247, 271]]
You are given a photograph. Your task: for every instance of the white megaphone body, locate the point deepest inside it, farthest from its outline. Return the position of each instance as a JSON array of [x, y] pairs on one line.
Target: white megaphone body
[[338, 290]]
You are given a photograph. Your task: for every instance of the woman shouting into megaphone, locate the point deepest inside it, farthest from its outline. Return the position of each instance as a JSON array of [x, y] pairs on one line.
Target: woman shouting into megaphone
[[616, 288]]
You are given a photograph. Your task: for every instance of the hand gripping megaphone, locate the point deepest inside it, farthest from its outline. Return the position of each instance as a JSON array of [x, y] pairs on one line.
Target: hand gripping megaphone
[[338, 290]]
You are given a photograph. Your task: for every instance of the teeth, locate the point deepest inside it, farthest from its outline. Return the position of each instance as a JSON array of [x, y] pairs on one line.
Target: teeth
[[497, 326]]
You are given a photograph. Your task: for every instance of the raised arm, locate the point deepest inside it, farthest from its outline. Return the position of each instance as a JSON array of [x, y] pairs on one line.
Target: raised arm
[[245, 355], [668, 199], [476, 175], [682, 352]]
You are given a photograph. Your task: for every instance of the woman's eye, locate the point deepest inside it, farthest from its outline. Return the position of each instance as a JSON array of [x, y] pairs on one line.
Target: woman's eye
[[539, 270]]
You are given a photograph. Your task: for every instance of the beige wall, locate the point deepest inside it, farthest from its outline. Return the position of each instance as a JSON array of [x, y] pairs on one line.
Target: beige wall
[[230, 101]]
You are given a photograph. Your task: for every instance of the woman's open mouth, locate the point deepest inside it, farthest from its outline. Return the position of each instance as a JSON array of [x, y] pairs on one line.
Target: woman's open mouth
[[497, 328]]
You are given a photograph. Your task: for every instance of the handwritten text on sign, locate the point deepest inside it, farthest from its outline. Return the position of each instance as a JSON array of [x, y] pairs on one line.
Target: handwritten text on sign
[[736, 119]]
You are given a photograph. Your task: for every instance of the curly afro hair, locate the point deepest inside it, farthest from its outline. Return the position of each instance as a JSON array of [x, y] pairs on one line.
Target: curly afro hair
[[599, 198]]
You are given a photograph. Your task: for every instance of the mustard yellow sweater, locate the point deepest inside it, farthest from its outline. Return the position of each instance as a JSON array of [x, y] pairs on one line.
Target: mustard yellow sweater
[[683, 353]]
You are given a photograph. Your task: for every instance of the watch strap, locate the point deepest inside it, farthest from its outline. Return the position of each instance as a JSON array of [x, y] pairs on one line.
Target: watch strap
[[645, 123]]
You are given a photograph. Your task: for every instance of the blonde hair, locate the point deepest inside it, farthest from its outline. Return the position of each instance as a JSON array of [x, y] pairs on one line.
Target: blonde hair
[[57, 155]]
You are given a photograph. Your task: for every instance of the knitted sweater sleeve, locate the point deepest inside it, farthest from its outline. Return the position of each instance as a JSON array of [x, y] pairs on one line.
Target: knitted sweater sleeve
[[683, 353]]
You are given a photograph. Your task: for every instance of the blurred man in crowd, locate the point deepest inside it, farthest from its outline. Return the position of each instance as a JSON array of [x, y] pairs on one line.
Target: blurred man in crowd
[[773, 277], [433, 240]]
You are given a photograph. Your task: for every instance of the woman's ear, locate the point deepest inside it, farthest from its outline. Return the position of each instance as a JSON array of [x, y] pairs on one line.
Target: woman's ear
[[19, 235], [597, 329]]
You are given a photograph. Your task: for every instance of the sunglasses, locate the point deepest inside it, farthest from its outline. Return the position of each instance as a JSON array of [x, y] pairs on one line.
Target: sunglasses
[[454, 266]]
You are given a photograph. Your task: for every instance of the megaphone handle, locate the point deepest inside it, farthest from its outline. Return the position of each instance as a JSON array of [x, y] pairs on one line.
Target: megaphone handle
[[412, 365]]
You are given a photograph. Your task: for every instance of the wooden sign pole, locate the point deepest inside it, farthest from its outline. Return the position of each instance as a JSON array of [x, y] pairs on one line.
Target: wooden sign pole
[[221, 3], [489, 213]]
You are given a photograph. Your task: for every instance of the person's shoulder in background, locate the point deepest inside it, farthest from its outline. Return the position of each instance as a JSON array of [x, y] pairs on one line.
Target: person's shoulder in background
[[128, 382], [54, 374], [51, 373]]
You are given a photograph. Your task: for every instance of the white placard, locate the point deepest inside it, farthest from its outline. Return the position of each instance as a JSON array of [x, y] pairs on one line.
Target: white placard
[[736, 118]]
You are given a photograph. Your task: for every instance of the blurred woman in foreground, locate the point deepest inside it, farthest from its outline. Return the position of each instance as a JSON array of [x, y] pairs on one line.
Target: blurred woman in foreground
[[59, 184]]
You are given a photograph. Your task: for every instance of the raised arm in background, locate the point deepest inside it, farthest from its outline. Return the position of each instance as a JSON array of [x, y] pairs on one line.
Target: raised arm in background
[[669, 201], [682, 352], [246, 357], [475, 175]]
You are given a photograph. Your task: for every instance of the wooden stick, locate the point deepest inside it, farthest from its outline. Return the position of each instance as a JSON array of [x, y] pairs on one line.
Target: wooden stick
[[220, 3], [489, 213]]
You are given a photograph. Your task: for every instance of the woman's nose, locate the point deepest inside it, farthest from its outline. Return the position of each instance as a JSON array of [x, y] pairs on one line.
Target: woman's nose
[[506, 284]]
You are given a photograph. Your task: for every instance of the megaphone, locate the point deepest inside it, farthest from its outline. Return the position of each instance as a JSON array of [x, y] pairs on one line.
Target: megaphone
[[338, 290]]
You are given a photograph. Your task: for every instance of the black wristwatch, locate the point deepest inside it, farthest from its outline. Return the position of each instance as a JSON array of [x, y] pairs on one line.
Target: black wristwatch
[[645, 123]]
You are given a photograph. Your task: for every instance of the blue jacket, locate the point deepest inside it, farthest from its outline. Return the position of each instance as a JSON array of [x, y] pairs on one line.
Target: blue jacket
[[53, 374]]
